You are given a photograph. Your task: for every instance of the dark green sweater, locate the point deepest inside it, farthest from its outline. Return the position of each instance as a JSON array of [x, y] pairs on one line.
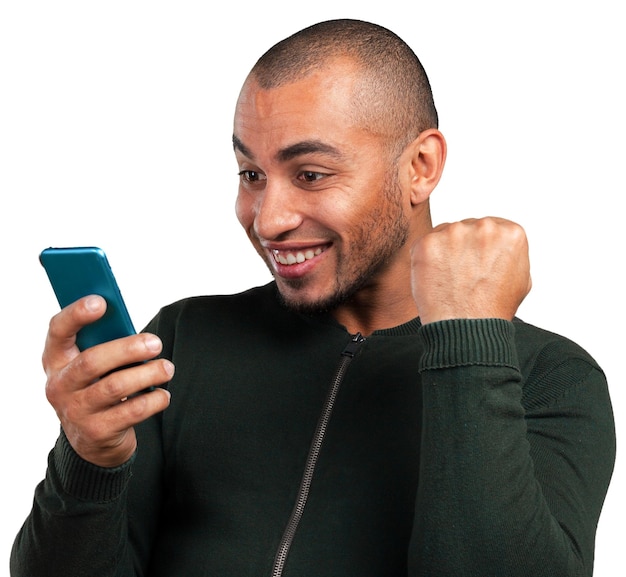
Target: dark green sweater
[[461, 448]]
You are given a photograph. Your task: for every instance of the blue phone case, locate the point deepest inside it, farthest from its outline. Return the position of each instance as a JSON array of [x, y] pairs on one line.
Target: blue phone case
[[76, 272]]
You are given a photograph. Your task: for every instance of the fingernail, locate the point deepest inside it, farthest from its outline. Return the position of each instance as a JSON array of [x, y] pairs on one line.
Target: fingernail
[[169, 368], [93, 303], [153, 343]]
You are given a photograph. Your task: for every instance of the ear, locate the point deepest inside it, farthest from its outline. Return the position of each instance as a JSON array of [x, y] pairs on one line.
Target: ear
[[425, 159]]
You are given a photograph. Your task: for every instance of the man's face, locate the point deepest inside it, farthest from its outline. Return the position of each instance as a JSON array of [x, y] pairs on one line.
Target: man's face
[[317, 196]]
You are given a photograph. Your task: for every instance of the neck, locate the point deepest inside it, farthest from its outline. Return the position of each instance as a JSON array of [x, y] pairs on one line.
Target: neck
[[387, 301], [369, 311]]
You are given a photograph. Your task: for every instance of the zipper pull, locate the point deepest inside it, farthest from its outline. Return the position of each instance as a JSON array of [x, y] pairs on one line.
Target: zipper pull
[[353, 346]]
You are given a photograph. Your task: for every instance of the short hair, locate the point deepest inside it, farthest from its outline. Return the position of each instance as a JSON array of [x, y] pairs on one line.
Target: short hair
[[395, 98]]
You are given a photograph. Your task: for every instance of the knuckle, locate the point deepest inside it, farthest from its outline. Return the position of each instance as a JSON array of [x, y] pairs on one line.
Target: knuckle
[[73, 412], [45, 360], [53, 325], [458, 231], [85, 363], [56, 388], [519, 233], [52, 391], [487, 225], [135, 408], [113, 386]]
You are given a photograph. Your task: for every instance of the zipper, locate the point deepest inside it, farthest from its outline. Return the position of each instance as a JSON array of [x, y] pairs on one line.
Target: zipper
[[347, 355]]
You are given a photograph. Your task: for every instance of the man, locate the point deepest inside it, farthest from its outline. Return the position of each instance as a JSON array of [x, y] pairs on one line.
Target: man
[[376, 410]]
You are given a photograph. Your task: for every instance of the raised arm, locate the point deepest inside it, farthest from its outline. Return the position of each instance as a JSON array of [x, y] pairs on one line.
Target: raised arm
[[518, 440]]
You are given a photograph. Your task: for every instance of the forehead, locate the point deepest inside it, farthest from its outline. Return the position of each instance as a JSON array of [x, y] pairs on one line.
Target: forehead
[[318, 107]]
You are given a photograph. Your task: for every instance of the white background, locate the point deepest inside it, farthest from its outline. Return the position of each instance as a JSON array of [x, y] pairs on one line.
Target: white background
[[115, 125]]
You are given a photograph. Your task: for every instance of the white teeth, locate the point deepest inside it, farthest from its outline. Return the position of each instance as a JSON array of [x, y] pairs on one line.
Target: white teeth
[[290, 258]]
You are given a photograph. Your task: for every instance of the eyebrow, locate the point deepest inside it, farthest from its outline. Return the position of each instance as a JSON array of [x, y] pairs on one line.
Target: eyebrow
[[294, 150], [241, 147], [307, 147]]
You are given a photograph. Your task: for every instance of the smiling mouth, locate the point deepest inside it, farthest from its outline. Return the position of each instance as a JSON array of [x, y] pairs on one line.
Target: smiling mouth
[[289, 258]]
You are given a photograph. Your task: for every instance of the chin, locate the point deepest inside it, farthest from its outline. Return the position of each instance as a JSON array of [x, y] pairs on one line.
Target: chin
[[300, 301]]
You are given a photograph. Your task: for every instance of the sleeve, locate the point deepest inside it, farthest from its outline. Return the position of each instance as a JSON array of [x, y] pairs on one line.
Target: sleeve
[[508, 485], [77, 523], [90, 521]]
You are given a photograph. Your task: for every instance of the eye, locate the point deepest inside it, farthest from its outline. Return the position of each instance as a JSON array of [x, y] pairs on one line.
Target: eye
[[311, 176], [251, 176]]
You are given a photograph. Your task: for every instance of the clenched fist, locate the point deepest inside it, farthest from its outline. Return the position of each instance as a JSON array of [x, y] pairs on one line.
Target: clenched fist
[[476, 268]]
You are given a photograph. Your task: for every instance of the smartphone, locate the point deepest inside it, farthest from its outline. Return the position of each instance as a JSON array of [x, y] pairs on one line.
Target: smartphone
[[75, 272]]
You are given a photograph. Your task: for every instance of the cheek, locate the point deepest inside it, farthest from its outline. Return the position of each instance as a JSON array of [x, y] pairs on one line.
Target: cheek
[[348, 218], [337, 211]]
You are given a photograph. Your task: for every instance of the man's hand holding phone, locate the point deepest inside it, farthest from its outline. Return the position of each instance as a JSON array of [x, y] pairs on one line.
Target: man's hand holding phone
[[98, 412]]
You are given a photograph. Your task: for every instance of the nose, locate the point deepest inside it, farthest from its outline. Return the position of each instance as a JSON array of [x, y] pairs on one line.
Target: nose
[[276, 211]]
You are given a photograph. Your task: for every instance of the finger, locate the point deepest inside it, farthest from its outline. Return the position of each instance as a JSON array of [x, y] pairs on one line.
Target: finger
[[61, 338], [95, 362], [108, 438], [136, 409], [123, 385], [93, 411]]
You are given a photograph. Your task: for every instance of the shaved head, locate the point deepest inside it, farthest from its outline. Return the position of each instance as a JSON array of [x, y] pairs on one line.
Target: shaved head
[[393, 98]]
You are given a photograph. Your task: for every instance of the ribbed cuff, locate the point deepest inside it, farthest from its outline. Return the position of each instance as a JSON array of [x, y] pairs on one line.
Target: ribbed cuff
[[86, 481], [464, 342]]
